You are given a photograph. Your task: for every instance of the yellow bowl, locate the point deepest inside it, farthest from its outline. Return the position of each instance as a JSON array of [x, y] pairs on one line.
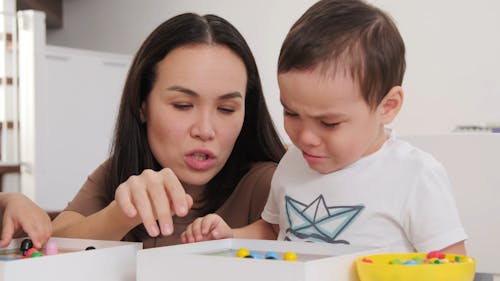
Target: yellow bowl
[[381, 270]]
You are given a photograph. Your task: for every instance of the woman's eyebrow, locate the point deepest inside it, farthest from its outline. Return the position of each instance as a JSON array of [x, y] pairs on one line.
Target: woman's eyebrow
[[231, 95], [190, 92], [183, 90]]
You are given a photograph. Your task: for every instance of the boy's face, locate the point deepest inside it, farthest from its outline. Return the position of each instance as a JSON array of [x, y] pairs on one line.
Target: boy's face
[[326, 117]]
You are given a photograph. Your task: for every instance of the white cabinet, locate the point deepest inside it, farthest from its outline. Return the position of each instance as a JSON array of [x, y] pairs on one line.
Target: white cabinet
[[68, 103]]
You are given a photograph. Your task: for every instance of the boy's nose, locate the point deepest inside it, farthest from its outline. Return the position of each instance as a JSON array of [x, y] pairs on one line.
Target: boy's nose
[[308, 137]]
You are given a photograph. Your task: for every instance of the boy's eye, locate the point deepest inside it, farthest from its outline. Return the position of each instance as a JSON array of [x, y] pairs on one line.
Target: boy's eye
[[182, 106], [329, 125], [288, 113]]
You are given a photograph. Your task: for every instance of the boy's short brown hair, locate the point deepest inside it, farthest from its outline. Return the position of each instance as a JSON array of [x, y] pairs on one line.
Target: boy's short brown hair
[[350, 34]]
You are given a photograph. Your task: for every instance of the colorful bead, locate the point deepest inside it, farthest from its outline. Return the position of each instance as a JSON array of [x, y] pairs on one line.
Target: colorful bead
[[51, 248], [418, 259], [30, 251], [271, 256], [242, 252], [367, 260], [253, 255], [26, 244], [434, 257], [36, 254], [290, 256], [435, 254], [396, 261]]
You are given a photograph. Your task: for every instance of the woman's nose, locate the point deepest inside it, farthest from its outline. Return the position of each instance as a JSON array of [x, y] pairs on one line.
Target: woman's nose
[[203, 128]]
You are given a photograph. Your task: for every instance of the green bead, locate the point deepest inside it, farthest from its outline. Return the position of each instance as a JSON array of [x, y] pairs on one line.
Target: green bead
[[396, 261], [418, 259], [36, 254]]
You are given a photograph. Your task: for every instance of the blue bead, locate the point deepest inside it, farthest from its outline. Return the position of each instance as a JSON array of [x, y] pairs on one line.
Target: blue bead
[[255, 255], [252, 255], [272, 256]]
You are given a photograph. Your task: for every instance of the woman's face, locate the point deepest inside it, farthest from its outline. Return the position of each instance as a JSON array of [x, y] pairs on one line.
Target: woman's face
[[195, 110]]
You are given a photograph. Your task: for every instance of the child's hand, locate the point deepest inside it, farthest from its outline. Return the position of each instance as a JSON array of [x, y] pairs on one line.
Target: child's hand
[[21, 213], [209, 227]]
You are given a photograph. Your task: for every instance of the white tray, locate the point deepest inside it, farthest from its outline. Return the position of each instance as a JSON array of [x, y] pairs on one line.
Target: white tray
[[210, 261], [110, 261]]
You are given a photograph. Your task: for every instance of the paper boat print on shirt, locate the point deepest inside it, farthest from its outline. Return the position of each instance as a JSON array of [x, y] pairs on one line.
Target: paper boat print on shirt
[[316, 222]]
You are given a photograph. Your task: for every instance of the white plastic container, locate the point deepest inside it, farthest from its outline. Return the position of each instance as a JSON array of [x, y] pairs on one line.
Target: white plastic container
[[110, 261], [207, 261]]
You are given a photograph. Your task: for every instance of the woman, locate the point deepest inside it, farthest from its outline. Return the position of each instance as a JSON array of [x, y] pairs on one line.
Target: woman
[[193, 136]]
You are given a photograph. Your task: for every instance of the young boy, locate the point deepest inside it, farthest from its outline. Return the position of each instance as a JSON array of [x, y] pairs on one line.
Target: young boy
[[18, 212], [347, 179]]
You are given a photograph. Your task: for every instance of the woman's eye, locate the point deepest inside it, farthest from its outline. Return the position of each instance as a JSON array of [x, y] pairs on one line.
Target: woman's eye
[[227, 109], [182, 106]]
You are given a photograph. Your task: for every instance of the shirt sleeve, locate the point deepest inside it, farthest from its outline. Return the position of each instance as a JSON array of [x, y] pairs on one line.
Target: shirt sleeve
[[432, 218], [271, 212], [93, 196]]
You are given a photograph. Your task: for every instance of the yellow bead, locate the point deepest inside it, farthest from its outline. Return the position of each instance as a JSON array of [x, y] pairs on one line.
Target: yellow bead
[[468, 260], [242, 252], [290, 256]]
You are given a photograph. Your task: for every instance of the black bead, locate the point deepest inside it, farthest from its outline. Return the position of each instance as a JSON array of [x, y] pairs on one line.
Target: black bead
[[26, 244]]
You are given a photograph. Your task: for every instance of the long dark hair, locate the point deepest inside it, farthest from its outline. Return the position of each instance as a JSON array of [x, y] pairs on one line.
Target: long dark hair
[[258, 139]]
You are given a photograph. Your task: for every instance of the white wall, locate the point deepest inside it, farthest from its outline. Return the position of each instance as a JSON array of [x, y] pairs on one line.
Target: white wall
[[95, 24], [475, 183], [453, 48], [453, 63], [68, 104]]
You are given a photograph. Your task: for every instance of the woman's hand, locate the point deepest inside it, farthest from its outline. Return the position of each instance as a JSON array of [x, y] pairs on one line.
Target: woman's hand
[[154, 195], [209, 227]]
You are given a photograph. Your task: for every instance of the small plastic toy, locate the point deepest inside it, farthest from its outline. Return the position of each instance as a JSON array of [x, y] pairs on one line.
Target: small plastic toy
[[30, 251], [26, 244], [271, 256], [242, 252], [253, 255], [51, 248], [245, 253], [36, 254], [290, 256]]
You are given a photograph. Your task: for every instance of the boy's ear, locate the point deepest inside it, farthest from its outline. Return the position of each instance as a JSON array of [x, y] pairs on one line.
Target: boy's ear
[[391, 104]]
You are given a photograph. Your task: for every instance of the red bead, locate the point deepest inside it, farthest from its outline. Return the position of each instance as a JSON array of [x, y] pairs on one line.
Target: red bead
[[435, 254], [30, 251]]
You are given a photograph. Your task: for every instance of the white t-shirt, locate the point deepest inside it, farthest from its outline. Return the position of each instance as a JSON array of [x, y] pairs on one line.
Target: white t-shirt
[[398, 197]]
